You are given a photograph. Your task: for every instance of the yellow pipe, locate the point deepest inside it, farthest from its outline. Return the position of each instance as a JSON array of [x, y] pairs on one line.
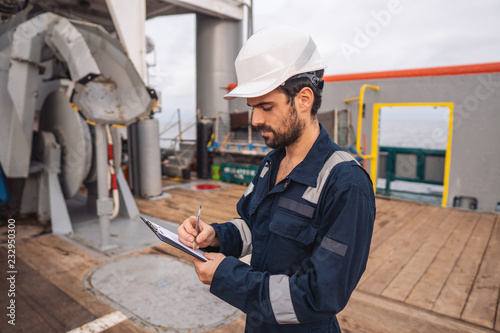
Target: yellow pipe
[[347, 100], [360, 118], [447, 159]]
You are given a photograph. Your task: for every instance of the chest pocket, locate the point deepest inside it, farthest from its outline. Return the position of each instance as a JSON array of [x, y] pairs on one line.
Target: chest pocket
[[254, 204], [293, 220]]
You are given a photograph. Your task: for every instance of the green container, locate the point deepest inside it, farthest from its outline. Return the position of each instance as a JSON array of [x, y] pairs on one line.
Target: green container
[[216, 172], [238, 173], [227, 171]]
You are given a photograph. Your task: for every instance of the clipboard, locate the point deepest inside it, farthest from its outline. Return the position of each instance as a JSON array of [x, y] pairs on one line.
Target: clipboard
[[172, 239]]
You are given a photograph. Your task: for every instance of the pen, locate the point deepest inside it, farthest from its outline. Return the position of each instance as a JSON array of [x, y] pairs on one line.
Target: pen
[[196, 228]]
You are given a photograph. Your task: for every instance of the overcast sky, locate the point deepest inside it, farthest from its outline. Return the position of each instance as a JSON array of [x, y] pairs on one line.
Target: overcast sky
[[352, 37]]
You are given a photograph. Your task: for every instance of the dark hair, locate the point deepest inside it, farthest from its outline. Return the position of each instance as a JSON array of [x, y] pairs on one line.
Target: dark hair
[[312, 80]]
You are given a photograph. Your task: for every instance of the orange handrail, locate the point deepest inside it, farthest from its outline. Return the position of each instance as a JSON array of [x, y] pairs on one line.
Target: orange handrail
[[493, 67]]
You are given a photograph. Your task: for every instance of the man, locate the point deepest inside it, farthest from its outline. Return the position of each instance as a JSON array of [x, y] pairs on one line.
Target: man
[[307, 217]]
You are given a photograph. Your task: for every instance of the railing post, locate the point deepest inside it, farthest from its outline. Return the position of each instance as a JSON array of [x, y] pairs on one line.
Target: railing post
[[390, 170]]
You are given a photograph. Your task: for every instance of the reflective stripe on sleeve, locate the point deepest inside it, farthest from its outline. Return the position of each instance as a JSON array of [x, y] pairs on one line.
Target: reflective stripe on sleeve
[[312, 193], [246, 236], [334, 246], [281, 299]]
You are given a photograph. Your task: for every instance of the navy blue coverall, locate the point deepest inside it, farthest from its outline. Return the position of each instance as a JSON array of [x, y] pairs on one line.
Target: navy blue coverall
[[309, 237]]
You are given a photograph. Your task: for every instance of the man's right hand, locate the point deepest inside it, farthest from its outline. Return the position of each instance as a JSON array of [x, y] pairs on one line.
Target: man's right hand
[[206, 234]]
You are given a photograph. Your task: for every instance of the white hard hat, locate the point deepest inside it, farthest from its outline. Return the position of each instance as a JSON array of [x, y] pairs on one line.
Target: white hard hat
[[272, 56]]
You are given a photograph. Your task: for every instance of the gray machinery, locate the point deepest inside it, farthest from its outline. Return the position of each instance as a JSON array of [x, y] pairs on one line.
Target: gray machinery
[[67, 84], [85, 86]]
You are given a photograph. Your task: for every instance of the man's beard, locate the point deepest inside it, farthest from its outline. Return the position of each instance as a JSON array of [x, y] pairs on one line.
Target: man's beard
[[287, 134]]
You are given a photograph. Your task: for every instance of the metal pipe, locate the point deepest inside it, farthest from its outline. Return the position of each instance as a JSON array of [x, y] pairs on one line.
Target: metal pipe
[[179, 123], [103, 200], [336, 125], [250, 20], [348, 127], [217, 127], [149, 158], [112, 173], [348, 100]]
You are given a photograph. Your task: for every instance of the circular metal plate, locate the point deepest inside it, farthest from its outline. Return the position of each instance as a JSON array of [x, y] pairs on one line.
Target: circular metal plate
[[72, 133], [161, 293]]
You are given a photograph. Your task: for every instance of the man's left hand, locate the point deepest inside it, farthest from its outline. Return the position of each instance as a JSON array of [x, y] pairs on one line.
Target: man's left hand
[[206, 270]]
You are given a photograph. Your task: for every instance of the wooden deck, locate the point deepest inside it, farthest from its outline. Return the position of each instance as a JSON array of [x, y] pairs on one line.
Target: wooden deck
[[440, 265], [431, 269]]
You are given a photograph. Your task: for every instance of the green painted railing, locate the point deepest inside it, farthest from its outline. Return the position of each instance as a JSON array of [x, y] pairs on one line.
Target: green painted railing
[[421, 155]]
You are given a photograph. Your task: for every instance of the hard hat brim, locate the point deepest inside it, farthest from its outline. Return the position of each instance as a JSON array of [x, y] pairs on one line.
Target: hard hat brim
[[254, 89], [251, 89]]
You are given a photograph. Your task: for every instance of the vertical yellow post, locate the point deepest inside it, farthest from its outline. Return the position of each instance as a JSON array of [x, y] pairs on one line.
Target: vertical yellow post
[[373, 153]]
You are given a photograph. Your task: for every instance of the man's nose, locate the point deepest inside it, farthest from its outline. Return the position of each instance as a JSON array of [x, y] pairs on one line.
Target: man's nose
[[257, 118]]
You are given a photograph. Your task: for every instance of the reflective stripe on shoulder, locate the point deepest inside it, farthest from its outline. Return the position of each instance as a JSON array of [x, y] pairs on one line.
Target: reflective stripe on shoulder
[[249, 189], [312, 193], [246, 236], [281, 299], [265, 169]]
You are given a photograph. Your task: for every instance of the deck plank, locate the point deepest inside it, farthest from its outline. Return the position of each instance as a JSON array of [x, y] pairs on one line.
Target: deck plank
[[418, 254], [401, 257], [61, 254], [64, 265], [482, 304], [426, 291], [419, 223], [368, 313], [451, 300], [40, 305], [390, 220], [218, 205]]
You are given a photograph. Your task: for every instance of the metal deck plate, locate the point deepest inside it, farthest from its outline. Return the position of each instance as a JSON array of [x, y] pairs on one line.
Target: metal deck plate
[[127, 235], [160, 293]]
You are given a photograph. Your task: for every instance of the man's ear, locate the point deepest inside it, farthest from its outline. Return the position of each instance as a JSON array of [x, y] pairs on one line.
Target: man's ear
[[304, 99]]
